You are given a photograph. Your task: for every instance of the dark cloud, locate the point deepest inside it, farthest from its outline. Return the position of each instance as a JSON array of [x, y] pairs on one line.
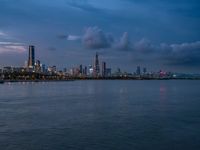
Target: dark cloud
[[144, 46], [95, 38], [185, 54], [124, 43], [173, 22]]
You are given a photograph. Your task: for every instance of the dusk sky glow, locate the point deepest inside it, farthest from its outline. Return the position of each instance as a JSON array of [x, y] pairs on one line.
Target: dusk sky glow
[[151, 33]]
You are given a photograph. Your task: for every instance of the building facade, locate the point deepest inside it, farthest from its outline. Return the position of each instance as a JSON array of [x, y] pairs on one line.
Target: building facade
[[96, 68], [31, 57]]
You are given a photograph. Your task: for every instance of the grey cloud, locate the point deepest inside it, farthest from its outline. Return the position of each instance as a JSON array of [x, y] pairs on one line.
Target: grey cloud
[[185, 54], [124, 43], [144, 46], [12, 48], [73, 37], [95, 38], [69, 37], [8, 44]]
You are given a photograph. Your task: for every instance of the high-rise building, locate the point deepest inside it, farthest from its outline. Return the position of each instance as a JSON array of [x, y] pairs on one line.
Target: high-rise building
[[85, 71], [37, 62], [96, 69], [138, 71], [81, 69], [43, 68], [31, 57], [144, 70], [103, 69], [108, 72]]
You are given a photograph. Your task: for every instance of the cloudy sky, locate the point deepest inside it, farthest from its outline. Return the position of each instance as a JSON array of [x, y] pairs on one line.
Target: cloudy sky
[[155, 34]]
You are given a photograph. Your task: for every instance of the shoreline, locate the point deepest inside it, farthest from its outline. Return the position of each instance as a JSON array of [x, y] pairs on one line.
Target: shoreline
[[87, 79]]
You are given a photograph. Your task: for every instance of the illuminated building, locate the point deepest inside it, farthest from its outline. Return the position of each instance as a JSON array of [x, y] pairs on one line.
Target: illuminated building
[[43, 68], [91, 70], [37, 66], [52, 69]]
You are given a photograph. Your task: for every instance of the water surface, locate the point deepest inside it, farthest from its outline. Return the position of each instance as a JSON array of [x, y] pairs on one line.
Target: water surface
[[100, 115]]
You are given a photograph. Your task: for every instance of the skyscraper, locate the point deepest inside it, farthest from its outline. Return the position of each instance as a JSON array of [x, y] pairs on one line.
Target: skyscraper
[[103, 69], [96, 68], [31, 56], [85, 71], [138, 71], [81, 69], [144, 70]]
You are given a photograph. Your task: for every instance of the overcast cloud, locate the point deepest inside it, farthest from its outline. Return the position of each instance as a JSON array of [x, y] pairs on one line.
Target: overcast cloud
[[153, 33]]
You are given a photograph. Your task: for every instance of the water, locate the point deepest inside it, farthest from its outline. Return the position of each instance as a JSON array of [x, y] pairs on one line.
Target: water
[[100, 115]]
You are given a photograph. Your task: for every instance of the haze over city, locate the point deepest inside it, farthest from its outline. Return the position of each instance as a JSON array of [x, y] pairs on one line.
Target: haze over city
[[126, 33]]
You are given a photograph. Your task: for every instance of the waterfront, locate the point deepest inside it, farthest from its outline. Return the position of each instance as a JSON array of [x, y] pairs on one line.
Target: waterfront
[[100, 115]]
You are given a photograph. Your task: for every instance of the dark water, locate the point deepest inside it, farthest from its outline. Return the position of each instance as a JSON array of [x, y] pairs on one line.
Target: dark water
[[100, 115]]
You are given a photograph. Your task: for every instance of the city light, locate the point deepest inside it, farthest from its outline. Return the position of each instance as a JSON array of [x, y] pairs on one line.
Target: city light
[[35, 70]]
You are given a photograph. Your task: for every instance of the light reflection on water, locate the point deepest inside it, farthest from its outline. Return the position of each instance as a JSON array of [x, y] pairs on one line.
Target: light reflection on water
[[100, 115]]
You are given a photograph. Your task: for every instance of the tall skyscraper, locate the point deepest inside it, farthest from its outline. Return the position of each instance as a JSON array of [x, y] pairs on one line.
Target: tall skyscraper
[[96, 68], [80, 69], [31, 56], [144, 70], [103, 69], [85, 71], [138, 71]]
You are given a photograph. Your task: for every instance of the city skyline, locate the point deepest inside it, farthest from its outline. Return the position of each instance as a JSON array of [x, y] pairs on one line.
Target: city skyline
[[98, 67], [35, 70], [122, 32]]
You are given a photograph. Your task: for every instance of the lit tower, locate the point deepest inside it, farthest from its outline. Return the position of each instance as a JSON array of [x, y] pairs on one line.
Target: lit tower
[[31, 56], [96, 65]]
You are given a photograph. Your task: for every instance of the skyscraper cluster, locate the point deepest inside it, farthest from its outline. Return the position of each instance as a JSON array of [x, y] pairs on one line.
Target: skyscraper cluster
[[34, 65], [102, 71], [94, 70], [97, 69]]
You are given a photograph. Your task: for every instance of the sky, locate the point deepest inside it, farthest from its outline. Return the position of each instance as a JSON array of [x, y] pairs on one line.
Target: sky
[[156, 34]]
